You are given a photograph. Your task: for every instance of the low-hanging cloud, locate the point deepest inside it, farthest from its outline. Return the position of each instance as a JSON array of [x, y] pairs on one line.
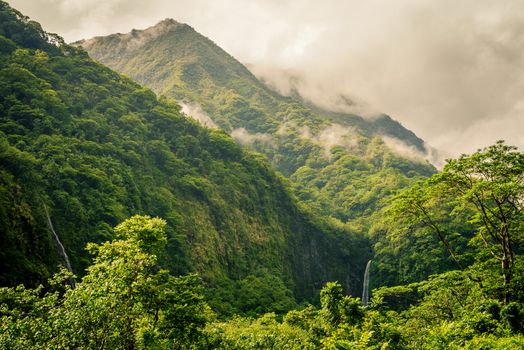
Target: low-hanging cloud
[[196, 112], [327, 137], [244, 137], [335, 135], [411, 152], [450, 71]]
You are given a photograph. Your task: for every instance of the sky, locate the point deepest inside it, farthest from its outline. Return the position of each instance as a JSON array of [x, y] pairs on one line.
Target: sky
[[451, 71]]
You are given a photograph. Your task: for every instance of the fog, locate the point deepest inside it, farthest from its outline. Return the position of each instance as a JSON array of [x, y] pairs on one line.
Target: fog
[[453, 72], [195, 111], [244, 137]]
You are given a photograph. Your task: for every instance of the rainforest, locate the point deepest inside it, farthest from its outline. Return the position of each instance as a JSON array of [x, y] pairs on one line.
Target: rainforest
[[156, 194]]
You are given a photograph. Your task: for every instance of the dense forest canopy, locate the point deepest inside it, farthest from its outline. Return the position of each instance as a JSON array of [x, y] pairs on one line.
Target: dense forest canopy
[[172, 236], [340, 165], [94, 148]]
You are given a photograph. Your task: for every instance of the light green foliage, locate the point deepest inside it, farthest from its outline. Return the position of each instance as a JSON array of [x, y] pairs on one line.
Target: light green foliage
[[147, 233], [341, 323], [347, 325], [454, 311], [265, 332], [95, 148], [496, 343], [338, 162], [485, 190], [125, 301], [338, 308]]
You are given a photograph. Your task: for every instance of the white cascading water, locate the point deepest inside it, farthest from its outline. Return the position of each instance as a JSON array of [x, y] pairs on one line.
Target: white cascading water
[[60, 247], [365, 287]]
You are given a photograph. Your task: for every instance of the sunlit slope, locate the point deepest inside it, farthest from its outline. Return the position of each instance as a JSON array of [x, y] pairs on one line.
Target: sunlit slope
[[342, 165], [96, 148]]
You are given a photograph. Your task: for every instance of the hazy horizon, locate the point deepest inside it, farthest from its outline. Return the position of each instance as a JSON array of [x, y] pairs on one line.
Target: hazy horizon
[[451, 72]]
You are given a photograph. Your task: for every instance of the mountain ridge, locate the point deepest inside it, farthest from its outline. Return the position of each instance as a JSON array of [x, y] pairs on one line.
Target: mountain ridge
[[297, 137], [140, 37], [94, 147]]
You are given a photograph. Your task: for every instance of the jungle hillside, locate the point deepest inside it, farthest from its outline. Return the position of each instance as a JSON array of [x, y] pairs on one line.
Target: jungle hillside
[[173, 200]]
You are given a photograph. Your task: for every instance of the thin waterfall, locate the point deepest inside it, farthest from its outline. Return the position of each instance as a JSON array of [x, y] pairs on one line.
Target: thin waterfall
[[365, 287], [60, 247]]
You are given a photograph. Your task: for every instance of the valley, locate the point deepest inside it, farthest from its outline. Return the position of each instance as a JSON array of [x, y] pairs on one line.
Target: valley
[[155, 194]]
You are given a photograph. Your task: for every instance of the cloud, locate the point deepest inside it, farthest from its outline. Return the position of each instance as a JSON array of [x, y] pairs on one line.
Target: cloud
[[450, 71], [290, 81], [196, 112], [407, 151], [244, 137], [443, 69], [335, 135], [327, 138]]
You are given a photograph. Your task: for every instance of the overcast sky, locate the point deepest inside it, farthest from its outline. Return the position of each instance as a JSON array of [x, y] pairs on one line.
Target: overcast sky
[[451, 71]]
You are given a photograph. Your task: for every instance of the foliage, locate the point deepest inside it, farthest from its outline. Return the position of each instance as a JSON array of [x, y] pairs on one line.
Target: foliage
[[338, 162], [125, 301], [95, 148], [473, 208], [491, 183], [484, 189], [265, 332], [416, 237]]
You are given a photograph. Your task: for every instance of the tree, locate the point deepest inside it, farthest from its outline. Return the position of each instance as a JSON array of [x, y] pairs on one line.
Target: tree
[[491, 182], [126, 301], [486, 187], [338, 308]]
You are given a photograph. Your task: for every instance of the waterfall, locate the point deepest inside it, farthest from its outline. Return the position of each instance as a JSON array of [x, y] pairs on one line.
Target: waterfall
[[365, 287], [60, 247]]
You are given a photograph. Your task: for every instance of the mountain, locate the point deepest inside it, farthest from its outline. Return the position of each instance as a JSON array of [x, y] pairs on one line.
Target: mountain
[[342, 165], [83, 147]]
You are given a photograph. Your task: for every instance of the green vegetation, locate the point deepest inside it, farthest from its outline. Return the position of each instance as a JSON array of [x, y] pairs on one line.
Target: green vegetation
[[341, 165], [95, 148], [236, 262], [125, 301], [479, 305], [474, 209]]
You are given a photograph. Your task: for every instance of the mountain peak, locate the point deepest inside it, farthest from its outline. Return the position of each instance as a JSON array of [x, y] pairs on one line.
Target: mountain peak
[[138, 37], [168, 22], [165, 24]]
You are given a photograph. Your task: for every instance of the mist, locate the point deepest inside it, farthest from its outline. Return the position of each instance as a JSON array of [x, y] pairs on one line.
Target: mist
[[195, 111], [244, 137], [450, 71], [401, 148]]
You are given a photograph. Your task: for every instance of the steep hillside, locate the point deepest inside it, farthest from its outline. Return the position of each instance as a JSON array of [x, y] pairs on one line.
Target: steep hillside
[[93, 148], [342, 165]]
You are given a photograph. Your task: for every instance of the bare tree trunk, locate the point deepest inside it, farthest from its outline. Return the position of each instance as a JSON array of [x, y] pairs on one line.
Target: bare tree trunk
[[507, 267]]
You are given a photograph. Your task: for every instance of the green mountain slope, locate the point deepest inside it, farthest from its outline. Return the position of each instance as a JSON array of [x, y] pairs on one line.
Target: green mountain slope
[[94, 148], [342, 165]]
